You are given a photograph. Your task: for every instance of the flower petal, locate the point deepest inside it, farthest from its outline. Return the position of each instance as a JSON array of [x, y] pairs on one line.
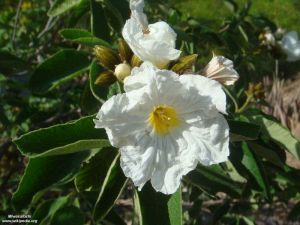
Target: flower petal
[[206, 87], [173, 161], [209, 139], [221, 69], [162, 85], [124, 118], [156, 46], [137, 161]]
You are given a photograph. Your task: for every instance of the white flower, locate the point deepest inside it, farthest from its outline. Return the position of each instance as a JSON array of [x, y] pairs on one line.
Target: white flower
[[165, 124], [221, 69], [267, 38], [150, 42], [291, 46]]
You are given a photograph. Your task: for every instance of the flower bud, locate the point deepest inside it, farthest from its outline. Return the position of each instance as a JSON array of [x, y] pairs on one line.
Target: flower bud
[[221, 69], [105, 78], [122, 71], [108, 58], [124, 50], [255, 90], [184, 63], [135, 61]]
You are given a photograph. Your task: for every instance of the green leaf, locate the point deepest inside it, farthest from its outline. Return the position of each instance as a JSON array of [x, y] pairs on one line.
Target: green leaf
[[254, 166], [79, 135], [279, 134], [243, 33], [212, 179], [73, 33], [88, 103], [114, 89], [99, 92], [43, 172], [10, 64], [57, 69], [241, 131], [70, 215], [266, 152], [116, 11], [157, 208], [61, 6], [111, 189], [121, 6], [251, 167], [92, 175], [231, 5], [114, 218], [99, 24], [45, 211], [82, 37], [79, 14], [41, 212]]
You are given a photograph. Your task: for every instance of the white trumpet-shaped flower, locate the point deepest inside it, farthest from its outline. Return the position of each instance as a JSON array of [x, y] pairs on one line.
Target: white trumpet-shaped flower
[[150, 42], [165, 124], [221, 69], [291, 45]]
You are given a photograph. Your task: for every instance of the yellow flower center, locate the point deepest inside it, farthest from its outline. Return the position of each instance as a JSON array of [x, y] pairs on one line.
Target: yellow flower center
[[163, 119]]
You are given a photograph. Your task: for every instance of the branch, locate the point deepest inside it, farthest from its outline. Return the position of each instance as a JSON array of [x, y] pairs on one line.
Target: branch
[[16, 23]]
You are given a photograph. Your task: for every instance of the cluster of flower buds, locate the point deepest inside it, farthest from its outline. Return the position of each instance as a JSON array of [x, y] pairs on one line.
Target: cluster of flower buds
[[117, 64], [255, 91]]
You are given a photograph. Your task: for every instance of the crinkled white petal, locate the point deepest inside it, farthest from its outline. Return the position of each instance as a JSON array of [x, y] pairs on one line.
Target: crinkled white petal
[[137, 161], [291, 46], [156, 46], [155, 82], [124, 117], [206, 87], [210, 139], [221, 69], [182, 90], [202, 135]]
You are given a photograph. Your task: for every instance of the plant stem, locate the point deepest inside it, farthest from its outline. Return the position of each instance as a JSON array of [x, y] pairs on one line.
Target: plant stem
[[245, 105], [236, 107], [16, 23]]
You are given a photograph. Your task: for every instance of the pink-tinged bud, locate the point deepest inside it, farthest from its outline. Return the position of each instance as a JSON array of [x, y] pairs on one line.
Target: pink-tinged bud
[[221, 69]]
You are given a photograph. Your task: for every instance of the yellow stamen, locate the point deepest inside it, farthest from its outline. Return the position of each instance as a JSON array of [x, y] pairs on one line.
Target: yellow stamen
[[163, 119]]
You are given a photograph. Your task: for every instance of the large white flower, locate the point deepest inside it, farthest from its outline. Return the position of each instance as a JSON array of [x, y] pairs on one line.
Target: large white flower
[[291, 46], [221, 69], [165, 124], [150, 42]]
